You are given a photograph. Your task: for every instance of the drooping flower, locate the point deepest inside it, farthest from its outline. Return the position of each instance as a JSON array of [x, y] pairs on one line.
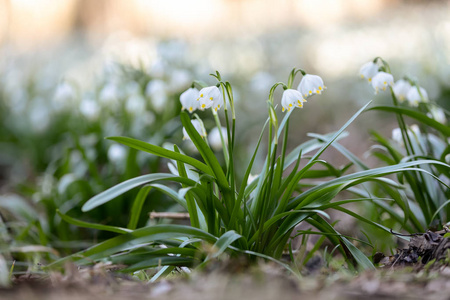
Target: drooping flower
[[401, 88], [368, 70], [291, 98], [381, 81], [311, 84], [215, 140], [414, 97], [198, 126], [210, 97], [188, 99], [438, 114]]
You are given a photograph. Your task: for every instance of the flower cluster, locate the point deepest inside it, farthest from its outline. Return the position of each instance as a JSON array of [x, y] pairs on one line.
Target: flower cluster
[[193, 99], [309, 85], [402, 89]]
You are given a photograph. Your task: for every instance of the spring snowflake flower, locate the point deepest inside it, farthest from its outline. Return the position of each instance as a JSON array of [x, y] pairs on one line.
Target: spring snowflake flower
[[198, 126], [381, 81], [210, 97], [401, 88], [368, 70], [291, 98], [437, 114], [414, 97], [214, 138], [189, 98], [311, 84]]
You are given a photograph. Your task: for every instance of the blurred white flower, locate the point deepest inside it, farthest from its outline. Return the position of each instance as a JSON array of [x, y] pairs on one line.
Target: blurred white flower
[[158, 68], [89, 108], [189, 98], [401, 88], [414, 97], [39, 115], [251, 178], [414, 129], [210, 97], [214, 138], [311, 84], [179, 79], [116, 153], [135, 104], [156, 90], [291, 98], [198, 126], [368, 70], [381, 81], [109, 93], [397, 135], [65, 92], [437, 114]]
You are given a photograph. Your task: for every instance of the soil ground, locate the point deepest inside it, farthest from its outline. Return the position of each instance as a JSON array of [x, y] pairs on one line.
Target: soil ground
[[263, 282]]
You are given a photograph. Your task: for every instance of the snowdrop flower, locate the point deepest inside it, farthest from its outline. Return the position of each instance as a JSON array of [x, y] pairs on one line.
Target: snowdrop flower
[[291, 98], [311, 84], [210, 97], [214, 138], [437, 114], [381, 81], [401, 88], [198, 126], [414, 97], [189, 98], [368, 70]]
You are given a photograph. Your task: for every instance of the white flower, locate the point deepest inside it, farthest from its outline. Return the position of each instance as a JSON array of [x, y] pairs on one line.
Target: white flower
[[135, 104], [64, 92], [116, 153], [401, 88], [397, 135], [157, 91], [214, 138], [109, 93], [368, 70], [414, 97], [291, 98], [311, 84], [198, 126], [210, 97], [437, 114], [188, 99], [89, 108], [381, 81]]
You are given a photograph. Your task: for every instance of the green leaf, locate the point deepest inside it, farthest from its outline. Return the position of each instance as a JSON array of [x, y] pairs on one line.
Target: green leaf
[[92, 225], [125, 186], [204, 151], [137, 206], [161, 152], [225, 241], [445, 130], [135, 239]]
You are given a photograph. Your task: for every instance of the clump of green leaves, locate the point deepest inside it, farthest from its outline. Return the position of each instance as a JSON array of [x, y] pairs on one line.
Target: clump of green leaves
[[253, 218]]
